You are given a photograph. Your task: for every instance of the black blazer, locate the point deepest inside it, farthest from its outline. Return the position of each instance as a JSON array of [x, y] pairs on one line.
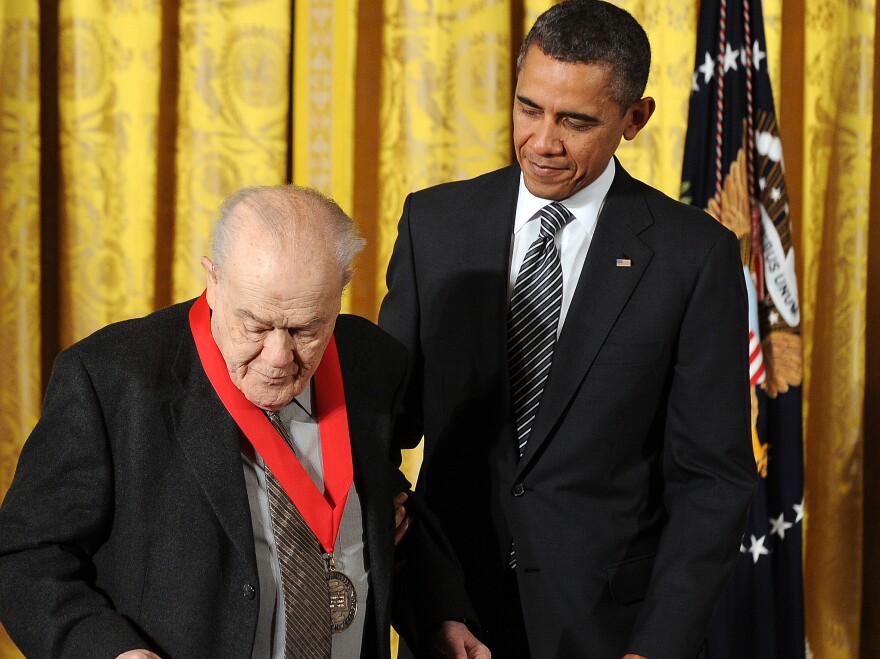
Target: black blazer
[[628, 505], [127, 524]]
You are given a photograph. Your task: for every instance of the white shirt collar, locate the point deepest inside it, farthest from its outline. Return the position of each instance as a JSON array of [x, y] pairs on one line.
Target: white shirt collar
[[583, 204]]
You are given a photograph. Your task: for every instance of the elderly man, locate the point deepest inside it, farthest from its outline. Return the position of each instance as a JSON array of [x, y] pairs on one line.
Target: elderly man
[[216, 479]]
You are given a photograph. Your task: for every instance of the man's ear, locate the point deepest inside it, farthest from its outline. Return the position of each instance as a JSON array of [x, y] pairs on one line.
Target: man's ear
[[639, 113], [210, 280]]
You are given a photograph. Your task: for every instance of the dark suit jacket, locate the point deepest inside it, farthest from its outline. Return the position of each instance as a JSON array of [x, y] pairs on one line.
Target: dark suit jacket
[[628, 505], [127, 524]]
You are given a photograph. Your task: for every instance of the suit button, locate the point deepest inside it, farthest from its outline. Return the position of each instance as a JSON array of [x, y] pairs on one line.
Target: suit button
[[519, 489], [248, 591]]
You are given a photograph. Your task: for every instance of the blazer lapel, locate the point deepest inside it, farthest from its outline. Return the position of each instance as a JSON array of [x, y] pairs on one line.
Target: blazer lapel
[[602, 292], [371, 465], [210, 441], [375, 502]]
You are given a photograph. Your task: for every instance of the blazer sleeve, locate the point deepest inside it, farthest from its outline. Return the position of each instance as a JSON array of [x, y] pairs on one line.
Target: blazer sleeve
[[709, 468], [55, 517], [399, 316]]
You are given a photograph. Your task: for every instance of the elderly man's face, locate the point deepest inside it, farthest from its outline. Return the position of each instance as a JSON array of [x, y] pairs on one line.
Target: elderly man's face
[[273, 315]]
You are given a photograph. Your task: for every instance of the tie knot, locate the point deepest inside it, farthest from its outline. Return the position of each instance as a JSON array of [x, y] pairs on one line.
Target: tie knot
[[554, 216]]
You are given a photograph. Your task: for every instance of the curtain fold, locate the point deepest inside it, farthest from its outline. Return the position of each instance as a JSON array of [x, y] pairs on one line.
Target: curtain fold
[[323, 97], [838, 111], [233, 116], [123, 124], [20, 278], [108, 103]]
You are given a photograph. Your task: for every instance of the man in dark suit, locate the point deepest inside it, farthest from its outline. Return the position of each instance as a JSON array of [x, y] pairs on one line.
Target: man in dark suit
[[587, 443], [216, 479]]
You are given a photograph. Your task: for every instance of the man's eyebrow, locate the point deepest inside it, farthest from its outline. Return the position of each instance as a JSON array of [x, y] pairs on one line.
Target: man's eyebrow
[[577, 116], [247, 315], [525, 100]]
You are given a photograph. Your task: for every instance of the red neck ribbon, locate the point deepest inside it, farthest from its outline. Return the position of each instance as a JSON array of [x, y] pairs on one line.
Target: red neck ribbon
[[322, 512]]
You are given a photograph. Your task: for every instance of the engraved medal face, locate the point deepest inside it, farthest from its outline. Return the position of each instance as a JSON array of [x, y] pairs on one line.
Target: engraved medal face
[[343, 601]]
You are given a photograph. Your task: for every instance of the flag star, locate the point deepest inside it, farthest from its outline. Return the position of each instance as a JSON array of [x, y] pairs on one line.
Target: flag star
[[707, 68], [695, 86], [730, 59], [762, 183], [773, 317], [779, 526], [758, 549], [757, 55], [775, 194], [798, 511]]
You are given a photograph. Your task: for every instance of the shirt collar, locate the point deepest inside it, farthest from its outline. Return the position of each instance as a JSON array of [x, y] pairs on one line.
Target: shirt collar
[[302, 402], [583, 204]]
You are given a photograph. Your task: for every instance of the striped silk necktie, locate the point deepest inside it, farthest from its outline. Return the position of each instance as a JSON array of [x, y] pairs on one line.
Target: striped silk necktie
[[533, 320], [532, 323], [303, 573]]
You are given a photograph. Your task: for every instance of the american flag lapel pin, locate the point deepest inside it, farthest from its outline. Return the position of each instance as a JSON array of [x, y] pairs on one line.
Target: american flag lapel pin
[[623, 262]]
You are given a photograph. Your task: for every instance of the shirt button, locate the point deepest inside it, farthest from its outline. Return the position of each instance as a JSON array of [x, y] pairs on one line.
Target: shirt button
[[248, 591], [518, 490]]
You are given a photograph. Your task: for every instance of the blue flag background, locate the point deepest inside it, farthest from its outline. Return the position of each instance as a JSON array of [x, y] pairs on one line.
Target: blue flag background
[[733, 168]]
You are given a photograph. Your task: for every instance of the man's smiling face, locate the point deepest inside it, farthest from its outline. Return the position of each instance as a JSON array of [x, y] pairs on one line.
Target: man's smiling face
[[566, 126]]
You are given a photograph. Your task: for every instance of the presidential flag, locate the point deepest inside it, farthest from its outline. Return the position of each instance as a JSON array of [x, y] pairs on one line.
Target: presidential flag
[[733, 168]]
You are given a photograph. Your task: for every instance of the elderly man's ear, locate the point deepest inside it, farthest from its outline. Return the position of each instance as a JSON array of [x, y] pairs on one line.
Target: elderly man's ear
[[210, 279]]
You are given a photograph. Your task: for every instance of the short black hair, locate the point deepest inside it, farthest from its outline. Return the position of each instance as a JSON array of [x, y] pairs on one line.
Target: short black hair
[[595, 32]]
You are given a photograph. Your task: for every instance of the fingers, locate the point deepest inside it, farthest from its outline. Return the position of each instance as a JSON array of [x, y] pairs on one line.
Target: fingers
[[453, 640], [402, 521]]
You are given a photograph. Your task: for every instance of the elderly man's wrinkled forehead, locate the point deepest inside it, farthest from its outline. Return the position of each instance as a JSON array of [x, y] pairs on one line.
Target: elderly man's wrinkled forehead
[[278, 225]]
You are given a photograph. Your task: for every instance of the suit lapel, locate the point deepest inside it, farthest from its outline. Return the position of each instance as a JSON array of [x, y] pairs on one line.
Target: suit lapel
[[210, 441], [483, 240], [602, 292], [483, 246]]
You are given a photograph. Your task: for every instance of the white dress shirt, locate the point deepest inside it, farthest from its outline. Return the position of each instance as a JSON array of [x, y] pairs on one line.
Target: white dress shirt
[[572, 240]]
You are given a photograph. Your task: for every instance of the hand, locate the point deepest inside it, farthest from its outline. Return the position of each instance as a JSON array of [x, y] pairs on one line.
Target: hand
[[401, 519], [453, 640], [138, 654]]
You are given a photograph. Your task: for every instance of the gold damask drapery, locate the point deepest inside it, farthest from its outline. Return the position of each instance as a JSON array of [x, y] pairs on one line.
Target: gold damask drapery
[[123, 123]]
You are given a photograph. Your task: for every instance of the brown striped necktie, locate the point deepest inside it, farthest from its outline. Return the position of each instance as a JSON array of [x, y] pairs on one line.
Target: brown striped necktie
[[303, 575]]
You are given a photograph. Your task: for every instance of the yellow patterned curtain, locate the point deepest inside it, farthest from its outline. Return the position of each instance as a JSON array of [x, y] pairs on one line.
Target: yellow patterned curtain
[[20, 280], [20, 254], [839, 147], [232, 119], [123, 123]]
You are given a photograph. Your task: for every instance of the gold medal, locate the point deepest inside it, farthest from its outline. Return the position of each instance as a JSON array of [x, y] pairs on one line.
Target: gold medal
[[343, 597]]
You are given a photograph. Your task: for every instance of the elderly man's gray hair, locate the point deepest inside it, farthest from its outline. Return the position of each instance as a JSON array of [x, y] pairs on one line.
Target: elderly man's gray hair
[[275, 206]]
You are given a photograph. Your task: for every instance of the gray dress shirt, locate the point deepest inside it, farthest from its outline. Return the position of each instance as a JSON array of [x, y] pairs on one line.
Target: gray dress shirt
[[351, 558]]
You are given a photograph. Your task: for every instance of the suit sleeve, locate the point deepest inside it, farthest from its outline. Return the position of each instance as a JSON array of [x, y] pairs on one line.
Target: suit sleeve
[[429, 586], [709, 468], [399, 315], [56, 514]]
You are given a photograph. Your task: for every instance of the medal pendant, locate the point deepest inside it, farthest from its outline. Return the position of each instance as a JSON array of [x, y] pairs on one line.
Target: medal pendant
[[343, 598]]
